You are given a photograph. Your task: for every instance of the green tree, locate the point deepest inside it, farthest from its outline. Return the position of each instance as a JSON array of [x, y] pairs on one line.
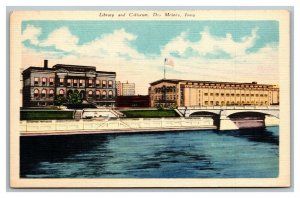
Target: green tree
[[59, 100], [74, 99]]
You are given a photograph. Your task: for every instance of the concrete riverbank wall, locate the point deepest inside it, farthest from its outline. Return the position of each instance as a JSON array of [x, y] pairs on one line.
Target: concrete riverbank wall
[[48, 127]]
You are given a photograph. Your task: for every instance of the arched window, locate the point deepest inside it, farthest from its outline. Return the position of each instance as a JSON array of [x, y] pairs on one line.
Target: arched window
[[36, 93], [44, 92], [104, 94], [51, 93], [61, 92], [98, 94], [90, 93]]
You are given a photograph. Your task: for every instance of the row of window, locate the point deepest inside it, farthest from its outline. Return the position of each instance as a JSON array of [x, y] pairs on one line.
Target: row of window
[[237, 95], [171, 97], [220, 86], [104, 94], [165, 89], [234, 103], [74, 82]]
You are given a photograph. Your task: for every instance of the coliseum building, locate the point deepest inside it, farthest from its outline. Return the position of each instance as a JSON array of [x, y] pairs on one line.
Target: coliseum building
[[42, 84], [183, 93]]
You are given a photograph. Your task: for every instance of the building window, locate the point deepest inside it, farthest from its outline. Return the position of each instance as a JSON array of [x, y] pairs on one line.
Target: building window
[[211, 103], [36, 93], [211, 94], [97, 83], [206, 94], [103, 83], [44, 92], [51, 93], [36, 81], [232, 94], [217, 94], [238, 95], [61, 92], [104, 94], [247, 95], [110, 94], [90, 83], [69, 82], [222, 94], [61, 82], [252, 95], [98, 94], [217, 103], [51, 81], [80, 83], [90, 93], [44, 81], [206, 102], [110, 84], [75, 81]]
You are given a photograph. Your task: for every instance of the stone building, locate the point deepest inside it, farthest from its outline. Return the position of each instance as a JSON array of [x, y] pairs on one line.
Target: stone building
[[128, 89], [119, 88], [42, 84], [167, 92]]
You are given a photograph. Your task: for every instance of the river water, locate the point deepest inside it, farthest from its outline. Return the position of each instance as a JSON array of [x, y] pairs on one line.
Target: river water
[[251, 153]]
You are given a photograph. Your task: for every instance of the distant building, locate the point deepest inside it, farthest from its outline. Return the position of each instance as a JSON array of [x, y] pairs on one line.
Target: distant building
[[133, 101], [42, 84], [167, 92], [128, 89], [119, 88]]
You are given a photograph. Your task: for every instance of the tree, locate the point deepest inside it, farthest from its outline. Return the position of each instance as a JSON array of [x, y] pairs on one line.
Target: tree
[[74, 99], [59, 100]]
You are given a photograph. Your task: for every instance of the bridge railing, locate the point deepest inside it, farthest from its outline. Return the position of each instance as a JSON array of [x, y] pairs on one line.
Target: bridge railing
[[228, 107]]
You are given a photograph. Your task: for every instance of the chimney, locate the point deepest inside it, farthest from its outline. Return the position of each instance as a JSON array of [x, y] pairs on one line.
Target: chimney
[[45, 64]]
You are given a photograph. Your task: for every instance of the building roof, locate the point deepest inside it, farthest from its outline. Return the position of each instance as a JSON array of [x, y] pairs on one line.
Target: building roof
[[78, 68], [75, 68], [176, 81]]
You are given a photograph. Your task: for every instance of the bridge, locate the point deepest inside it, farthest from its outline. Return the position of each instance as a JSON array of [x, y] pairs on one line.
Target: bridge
[[232, 117]]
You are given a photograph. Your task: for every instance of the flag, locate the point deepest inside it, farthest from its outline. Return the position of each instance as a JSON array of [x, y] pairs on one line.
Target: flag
[[169, 61]]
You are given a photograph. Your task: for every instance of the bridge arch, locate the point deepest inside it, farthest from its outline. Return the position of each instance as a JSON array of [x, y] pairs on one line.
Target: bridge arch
[[233, 114]]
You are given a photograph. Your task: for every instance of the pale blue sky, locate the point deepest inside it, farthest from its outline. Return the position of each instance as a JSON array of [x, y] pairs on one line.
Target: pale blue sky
[[153, 35]]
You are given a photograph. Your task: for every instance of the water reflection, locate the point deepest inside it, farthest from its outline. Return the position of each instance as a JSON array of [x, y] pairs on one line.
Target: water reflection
[[264, 135]]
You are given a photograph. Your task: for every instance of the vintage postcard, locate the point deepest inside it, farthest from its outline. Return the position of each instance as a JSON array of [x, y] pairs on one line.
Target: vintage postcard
[[168, 98]]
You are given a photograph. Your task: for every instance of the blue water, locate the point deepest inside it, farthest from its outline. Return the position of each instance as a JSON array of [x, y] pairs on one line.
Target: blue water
[[251, 153]]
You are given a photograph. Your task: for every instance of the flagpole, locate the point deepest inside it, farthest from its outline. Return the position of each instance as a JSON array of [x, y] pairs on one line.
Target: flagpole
[[165, 68]]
